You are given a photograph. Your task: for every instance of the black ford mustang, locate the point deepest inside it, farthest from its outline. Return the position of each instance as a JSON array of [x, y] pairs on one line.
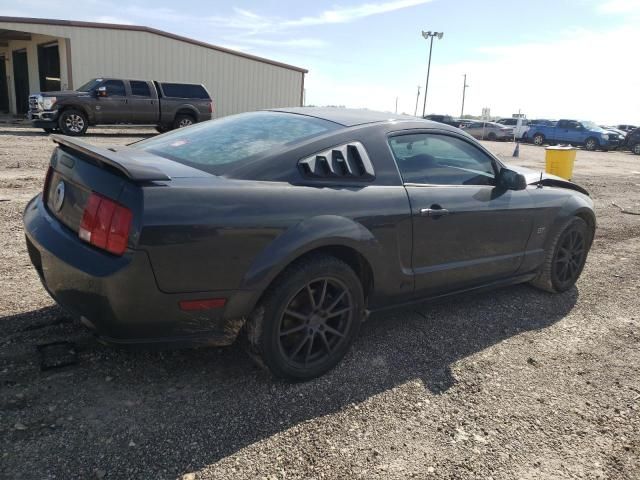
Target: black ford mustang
[[288, 226]]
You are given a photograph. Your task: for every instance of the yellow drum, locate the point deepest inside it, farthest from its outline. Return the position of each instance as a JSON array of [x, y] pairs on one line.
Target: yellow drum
[[560, 161]]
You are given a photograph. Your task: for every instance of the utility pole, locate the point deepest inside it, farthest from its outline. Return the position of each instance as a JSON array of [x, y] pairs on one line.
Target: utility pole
[[429, 36], [415, 112], [464, 91], [396, 105]]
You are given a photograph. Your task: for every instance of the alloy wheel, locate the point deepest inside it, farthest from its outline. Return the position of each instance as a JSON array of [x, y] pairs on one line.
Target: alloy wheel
[[591, 144], [185, 122], [538, 140], [315, 322], [74, 123], [570, 257]]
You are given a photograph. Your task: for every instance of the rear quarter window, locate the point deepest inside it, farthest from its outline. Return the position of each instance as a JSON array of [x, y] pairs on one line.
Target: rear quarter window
[[181, 90], [219, 146]]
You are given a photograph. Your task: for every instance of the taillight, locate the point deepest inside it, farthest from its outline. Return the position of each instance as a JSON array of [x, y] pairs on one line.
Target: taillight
[[105, 224], [210, 107]]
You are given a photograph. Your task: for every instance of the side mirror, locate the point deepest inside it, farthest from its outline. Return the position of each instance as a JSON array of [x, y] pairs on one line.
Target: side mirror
[[101, 92], [510, 180]]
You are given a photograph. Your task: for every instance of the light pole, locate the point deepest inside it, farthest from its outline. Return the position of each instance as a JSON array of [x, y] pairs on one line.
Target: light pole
[[464, 91], [429, 36], [415, 112]]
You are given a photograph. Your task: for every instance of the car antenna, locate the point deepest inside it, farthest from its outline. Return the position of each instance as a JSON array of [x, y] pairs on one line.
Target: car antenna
[[540, 181]]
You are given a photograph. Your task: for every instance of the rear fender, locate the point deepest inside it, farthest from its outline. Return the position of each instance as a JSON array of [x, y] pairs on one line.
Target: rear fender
[[308, 235]]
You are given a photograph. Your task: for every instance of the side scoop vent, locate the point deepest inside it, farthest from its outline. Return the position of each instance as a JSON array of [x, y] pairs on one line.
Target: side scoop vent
[[349, 161]]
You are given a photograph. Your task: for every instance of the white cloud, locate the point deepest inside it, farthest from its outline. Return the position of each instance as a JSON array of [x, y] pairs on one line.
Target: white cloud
[[619, 6], [252, 22], [583, 74]]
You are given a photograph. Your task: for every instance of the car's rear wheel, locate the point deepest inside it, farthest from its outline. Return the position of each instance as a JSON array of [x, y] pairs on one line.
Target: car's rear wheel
[[308, 318], [183, 120], [565, 257], [492, 137], [73, 122], [162, 128], [591, 144], [538, 139], [636, 149]]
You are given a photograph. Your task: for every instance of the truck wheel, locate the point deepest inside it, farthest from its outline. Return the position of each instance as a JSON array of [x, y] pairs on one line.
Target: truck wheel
[[183, 120], [538, 139], [591, 144], [636, 149], [73, 122], [308, 319]]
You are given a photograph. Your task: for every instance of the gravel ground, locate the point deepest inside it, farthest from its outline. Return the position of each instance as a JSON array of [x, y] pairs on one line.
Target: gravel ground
[[514, 383]]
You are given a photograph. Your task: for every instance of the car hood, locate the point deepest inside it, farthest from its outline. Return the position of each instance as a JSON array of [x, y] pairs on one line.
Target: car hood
[[535, 176]]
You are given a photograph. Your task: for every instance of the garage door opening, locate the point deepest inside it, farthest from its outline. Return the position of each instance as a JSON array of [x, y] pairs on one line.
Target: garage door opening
[[49, 67], [4, 88], [21, 80]]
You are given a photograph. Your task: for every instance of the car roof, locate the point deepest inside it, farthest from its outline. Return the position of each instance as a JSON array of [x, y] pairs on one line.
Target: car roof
[[350, 117]]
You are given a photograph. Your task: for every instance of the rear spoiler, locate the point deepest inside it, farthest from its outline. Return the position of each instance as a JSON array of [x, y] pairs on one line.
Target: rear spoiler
[[124, 159]]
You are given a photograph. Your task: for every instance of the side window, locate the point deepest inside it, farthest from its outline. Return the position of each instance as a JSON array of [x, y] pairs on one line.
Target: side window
[[140, 89], [441, 160], [115, 88]]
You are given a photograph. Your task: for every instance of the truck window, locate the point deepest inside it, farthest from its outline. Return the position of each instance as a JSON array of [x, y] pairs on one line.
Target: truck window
[[181, 90], [140, 89], [115, 88]]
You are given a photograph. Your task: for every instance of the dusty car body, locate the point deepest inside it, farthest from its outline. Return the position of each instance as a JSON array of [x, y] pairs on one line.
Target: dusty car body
[[489, 131], [290, 225]]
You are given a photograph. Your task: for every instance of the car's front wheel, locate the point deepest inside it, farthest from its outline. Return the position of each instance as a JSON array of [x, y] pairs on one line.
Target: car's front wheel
[[565, 257], [73, 122], [591, 144], [308, 319]]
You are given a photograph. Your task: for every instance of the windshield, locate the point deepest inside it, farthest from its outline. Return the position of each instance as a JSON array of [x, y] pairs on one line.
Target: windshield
[[590, 126], [90, 85], [219, 145]]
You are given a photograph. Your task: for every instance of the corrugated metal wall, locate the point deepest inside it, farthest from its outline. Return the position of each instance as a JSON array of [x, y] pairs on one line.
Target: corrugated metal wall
[[236, 83]]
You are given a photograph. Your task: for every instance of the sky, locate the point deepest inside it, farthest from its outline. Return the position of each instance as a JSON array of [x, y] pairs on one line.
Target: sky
[[544, 58]]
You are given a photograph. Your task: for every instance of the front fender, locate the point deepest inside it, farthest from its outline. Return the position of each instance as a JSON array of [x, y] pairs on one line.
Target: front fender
[[308, 235]]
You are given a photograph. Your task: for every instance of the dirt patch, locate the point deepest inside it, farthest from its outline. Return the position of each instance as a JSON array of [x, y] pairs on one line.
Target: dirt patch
[[514, 383]]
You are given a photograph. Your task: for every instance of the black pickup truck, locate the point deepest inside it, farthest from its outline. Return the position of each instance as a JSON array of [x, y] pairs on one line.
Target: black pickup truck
[[105, 101]]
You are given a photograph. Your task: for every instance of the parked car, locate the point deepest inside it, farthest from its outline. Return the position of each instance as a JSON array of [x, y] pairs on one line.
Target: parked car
[[520, 126], [464, 122], [104, 101], [626, 128], [288, 226], [489, 131], [614, 130], [632, 141], [543, 122], [446, 119], [574, 132]]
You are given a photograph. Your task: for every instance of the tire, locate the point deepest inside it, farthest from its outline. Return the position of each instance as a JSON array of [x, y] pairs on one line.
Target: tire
[[636, 149], [183, 120], [162, 128], [591, 144], [563, 264], [492, 137], [73, 122], [538, 139], [286, 336], [48, 130]]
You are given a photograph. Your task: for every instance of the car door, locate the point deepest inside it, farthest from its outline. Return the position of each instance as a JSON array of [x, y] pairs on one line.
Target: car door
[[475, 129], [569, 131], [112, 107], [143, 103], [466, 231]]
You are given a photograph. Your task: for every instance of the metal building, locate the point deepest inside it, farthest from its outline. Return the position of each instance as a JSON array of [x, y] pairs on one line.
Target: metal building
[[45, 55]]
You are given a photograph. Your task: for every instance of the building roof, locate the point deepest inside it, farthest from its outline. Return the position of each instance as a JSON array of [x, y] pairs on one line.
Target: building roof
[[140, 28]]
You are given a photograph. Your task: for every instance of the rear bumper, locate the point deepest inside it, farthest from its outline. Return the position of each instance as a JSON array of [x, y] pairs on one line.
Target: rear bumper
[[118, 296]]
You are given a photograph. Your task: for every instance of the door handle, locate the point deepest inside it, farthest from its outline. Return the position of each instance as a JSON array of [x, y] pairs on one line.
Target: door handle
[[434, 212]]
